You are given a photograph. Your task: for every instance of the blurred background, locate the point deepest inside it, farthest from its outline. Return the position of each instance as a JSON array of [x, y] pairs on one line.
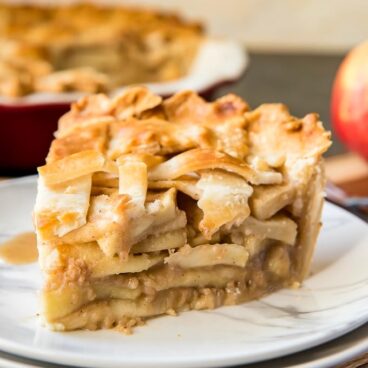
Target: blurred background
[[328, 26]]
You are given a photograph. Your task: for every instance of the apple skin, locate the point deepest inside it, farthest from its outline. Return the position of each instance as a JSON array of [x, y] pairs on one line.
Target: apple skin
[[349, 102]]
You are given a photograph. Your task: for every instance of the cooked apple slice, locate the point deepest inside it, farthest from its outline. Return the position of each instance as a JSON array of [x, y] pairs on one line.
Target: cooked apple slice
[[278, 227], [209, 255], [268, 200]]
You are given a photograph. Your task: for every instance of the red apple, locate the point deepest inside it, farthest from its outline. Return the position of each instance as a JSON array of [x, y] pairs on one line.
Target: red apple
[[349, 104]]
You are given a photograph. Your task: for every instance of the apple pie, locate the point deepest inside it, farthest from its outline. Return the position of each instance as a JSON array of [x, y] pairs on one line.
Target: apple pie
[[91, 48], [149, 206]]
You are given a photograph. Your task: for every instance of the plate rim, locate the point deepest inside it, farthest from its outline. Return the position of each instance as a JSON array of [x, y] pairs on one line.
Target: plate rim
[[70, 358], [338, 357]]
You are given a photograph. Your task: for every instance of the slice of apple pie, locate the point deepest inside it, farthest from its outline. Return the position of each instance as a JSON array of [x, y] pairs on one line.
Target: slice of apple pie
[[149, 206]]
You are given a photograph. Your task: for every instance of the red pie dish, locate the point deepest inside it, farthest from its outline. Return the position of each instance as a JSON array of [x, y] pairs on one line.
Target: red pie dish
[[25, 134]]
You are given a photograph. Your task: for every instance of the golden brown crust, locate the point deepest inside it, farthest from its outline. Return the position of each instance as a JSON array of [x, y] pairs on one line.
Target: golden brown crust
[[113, 135], [272, 129], [79, 140], [158, 127]]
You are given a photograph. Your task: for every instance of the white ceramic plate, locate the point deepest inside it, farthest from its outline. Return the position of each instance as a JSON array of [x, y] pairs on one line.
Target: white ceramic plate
[[218, 61], [330, 354], [333, 301]]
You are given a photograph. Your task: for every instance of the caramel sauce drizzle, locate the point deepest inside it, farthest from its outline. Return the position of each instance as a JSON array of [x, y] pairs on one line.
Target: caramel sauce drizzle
[[21, 249]]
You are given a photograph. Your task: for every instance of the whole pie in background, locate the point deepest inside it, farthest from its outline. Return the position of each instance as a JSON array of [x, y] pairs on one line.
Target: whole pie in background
[[149, 206], [91, 48]]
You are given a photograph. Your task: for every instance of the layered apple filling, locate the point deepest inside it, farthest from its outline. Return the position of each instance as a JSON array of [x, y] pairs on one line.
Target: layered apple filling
[[149, 206]]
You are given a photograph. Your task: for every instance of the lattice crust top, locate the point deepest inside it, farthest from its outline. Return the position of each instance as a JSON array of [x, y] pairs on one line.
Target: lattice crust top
[[118, 160]]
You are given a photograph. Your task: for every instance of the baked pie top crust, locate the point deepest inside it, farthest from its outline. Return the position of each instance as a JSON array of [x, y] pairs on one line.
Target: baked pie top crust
[[117, 166]]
